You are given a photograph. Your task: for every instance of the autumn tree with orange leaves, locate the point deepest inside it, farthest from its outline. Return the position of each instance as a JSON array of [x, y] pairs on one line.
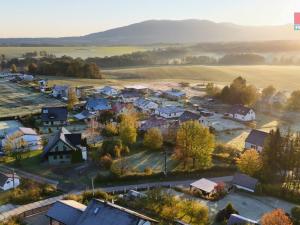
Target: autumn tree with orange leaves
[[276, 217]]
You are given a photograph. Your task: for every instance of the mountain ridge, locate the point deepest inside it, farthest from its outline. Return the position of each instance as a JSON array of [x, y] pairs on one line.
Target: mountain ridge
[[169, 32]]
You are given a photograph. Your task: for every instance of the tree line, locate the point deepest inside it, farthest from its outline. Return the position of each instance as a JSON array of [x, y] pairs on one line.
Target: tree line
[[64, 66]]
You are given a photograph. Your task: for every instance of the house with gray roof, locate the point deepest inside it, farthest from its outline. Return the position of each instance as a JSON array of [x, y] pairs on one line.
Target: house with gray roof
[[64, 147], [97, 104], [169, 112], [97, 212], [241, 113], [256, 140], [108, 91], [188, 115], [174, 94], [54, 116], [60, 91], [236, 219], [145, 105], [244, 182]]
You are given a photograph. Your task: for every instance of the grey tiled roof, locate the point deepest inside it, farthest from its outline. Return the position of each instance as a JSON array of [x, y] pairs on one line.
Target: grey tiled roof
[[66, 211], [257, 137], [239, 109], [54, 114], [244, 180]]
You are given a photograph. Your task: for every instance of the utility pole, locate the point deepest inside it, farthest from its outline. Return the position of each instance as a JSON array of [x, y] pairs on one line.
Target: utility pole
[[165, 163], [93, 186], [13, 176]]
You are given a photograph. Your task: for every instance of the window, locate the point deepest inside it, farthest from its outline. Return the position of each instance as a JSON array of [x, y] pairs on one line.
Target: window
[[54, 157], [61, 156], [65, 148], [56, 148]]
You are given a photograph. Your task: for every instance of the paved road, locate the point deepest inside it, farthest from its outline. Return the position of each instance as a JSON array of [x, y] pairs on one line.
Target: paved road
[[26, 175], [21, 209]]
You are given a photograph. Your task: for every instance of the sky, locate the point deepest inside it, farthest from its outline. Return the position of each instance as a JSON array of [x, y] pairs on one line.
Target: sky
[[57, 18]]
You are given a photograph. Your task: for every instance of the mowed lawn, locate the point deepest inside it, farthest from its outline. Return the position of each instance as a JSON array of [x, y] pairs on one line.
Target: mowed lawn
[[17, 101], [282, 77]]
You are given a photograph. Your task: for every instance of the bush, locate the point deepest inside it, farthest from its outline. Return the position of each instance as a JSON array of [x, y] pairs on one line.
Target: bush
[[148, 171], [14, 221], [30, 191], [110, 130], [108, 146], [106, 161], [87, 196]]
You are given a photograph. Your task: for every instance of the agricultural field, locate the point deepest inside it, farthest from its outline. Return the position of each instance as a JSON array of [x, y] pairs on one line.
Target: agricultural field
[[281, 77], [73, 51], [17, 101]]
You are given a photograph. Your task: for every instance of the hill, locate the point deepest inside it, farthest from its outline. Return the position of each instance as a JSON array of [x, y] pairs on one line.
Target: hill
[[169, 31]]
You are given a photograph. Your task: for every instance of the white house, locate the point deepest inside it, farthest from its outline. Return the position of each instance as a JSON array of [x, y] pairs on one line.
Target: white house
[[256, 140], [241, 113], [32, 140], [9, 181], [169, 112], [130, 96], [145, 105]]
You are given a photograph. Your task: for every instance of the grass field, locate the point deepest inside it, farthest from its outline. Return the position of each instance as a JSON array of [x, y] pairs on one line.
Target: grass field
[[282, 77], [17, 101], [73, 51]]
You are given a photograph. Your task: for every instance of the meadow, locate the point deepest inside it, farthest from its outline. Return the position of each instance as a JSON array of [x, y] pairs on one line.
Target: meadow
[[73, 51], [281, 77]]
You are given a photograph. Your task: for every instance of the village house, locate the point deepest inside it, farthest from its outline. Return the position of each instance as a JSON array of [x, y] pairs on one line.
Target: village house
[[108, 91], [188, 115], [235, 219], [241, 113], [97, 104], [256, 140], [145, 105], [205, 186], [154, 122], [137, 88], [174, 94], [9, 181], [84, 115], [65, 147], [54, 116], [82, 91], [244, 182], [123, 108], [60, 91], [98, 212], [130, 96], [32, 141], [280, 98], [169, 112]]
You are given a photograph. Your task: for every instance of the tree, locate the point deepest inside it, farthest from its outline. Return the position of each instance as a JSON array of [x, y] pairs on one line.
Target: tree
[[250, 162], [272, 155], [293, 103], [13, 68], [110, 130], [153, 139], [15, 146], [72, 98], [32, 68], [238, 92], [224, 214], [276, 217], [127, 130], [268, 92], [193, 141]]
